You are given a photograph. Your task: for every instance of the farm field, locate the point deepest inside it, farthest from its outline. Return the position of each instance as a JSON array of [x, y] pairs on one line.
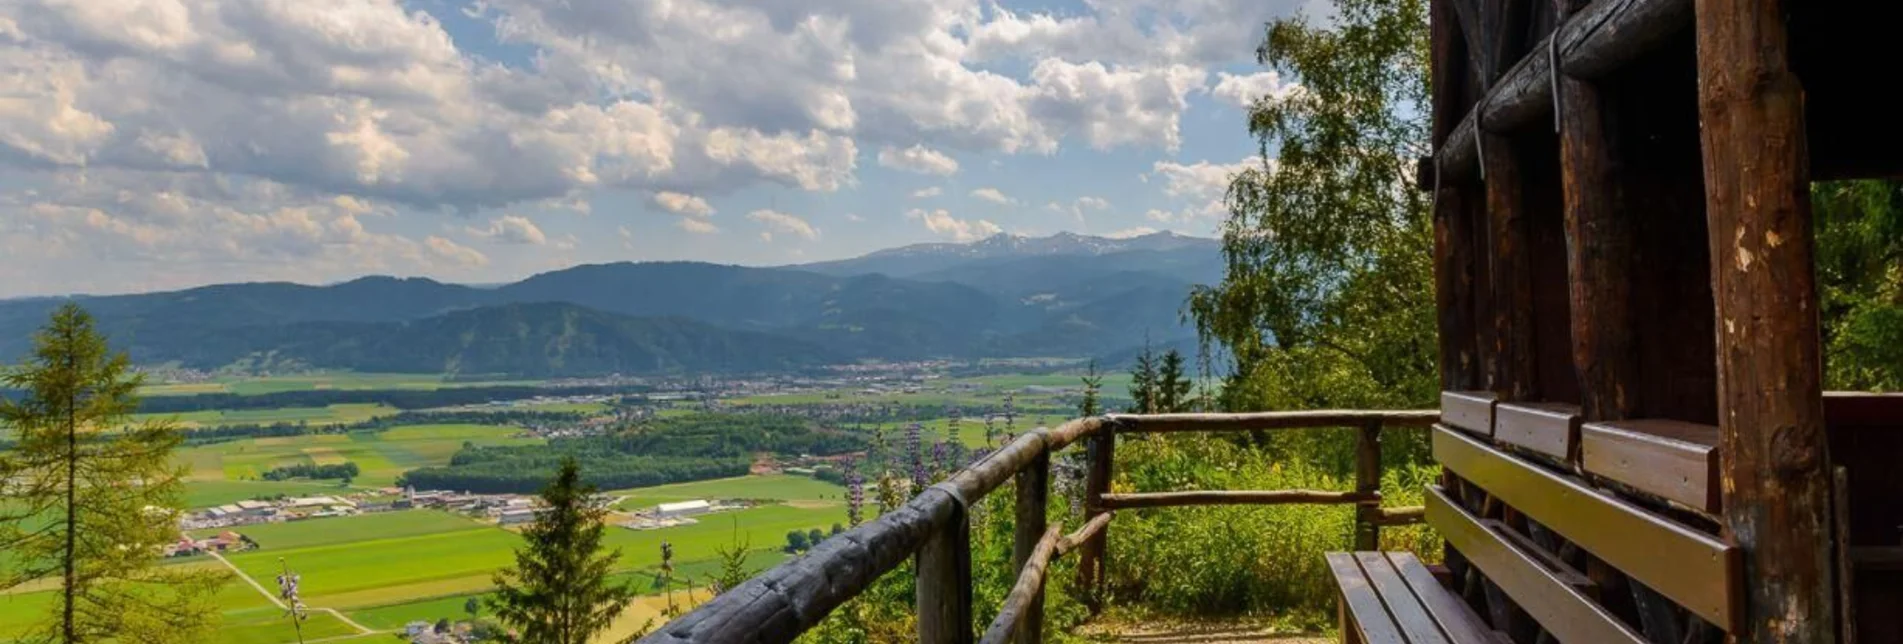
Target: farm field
[[332, 415], [785, 487], [367, 527], [341, 380], [229, 471]]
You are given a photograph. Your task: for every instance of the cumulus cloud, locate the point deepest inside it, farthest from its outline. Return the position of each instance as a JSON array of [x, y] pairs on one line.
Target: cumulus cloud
[[779, 222], [940, 222], [993, 195], [926, 193], [919, 159], [452, 252], [511, 229], [682, 204], [1201, 185], [1243, 90], [697, 226], [854, 218]]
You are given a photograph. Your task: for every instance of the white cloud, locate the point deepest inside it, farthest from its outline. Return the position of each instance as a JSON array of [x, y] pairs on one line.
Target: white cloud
[[697, 226], [779, 222], [926, 193], [994, 196], [1093, 203], [450, 251], [1242, 91], [682, 204], [1201, 184], [1127, 233], [919, 159], [1113, 106], [511, 229], [942, 223], [854, 218]]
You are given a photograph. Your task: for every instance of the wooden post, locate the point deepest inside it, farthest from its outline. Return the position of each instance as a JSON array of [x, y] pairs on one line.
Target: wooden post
[[1776, 471], [1033, 494], [1510, 228], [1091, 565], [1368, 481], [1600, 249], [944, 584]]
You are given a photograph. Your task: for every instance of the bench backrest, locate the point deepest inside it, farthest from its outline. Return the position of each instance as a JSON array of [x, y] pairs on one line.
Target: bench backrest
[[1591, 529]]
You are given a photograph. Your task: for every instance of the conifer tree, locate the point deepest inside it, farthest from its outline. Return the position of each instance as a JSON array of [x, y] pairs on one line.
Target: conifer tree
[[1143, 383], [91, 497], [1172, 384], [1093, 383], [558, 591]]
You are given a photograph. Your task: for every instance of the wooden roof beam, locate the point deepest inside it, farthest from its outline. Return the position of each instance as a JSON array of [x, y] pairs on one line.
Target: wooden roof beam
[[1593, 43]]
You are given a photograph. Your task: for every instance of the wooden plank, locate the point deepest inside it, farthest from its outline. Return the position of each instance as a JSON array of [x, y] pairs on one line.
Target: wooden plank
[[1409, 614], [1468, 410], [1559, 608], [1306, 419], [1369, 618], [1237, 497], [1549, 560], [1675, 460], [1033, 492], [1090, 529], [1693, 568], [1763, 275], [1593, 43], [1548, 428], [1457, 621]]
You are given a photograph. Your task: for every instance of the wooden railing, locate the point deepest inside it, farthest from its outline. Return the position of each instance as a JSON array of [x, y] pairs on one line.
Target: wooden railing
[[933, 528]]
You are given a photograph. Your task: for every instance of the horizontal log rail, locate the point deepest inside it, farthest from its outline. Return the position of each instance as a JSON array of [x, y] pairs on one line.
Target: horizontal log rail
[[1237, 497], [781, 603], [1158, 423], [1605, 36]]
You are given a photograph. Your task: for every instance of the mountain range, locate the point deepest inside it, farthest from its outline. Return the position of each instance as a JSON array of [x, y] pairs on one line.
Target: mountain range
[[1065, 295]]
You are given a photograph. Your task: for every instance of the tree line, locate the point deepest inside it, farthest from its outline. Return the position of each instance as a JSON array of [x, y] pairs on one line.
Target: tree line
[[345, 470]]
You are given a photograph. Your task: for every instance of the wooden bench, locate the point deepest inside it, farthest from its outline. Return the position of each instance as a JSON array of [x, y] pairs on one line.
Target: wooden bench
[[1543, 553]]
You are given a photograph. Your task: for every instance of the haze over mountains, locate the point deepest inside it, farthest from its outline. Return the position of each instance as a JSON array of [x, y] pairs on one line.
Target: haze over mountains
[[1063, 295]]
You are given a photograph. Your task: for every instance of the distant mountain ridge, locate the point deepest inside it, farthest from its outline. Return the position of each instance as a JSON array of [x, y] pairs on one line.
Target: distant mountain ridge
[[1063, 295]]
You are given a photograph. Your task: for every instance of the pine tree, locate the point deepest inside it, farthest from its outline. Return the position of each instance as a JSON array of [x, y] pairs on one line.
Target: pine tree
[[1172, 384], [91, 497], [1143, 383], [1093, 383], [558, 591]]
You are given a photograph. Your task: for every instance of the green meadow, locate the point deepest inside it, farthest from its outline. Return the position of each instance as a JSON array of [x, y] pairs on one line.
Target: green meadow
[[341, 414], [784, 487], [340, 380], [229, 471]]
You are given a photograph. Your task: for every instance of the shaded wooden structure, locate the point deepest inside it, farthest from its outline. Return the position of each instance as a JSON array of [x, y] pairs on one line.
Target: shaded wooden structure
[[1625, 280], [1636, 441]]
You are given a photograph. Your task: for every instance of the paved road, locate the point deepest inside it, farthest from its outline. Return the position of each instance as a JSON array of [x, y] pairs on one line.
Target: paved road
[[361, 629]]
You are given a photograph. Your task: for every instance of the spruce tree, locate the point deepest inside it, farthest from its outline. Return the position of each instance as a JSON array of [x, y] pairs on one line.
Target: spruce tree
[[1143, 383], [1093, 383], [91, 497], [558, 591], [1172, 384]]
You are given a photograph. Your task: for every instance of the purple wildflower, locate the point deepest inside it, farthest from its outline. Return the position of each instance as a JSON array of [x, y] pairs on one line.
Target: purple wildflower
[[941, 456], [855, 493], [917, 452]]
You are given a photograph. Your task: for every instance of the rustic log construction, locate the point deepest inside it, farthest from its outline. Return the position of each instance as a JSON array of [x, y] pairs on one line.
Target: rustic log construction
[[1634, 438]]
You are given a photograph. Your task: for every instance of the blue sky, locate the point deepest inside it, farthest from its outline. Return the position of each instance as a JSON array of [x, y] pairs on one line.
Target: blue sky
[[178, 142]]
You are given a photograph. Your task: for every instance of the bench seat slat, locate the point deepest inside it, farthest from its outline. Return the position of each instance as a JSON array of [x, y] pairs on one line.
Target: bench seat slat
[[1548, 428], [1675, 460], [1468, 410], [1370, 617], [1692, 568], [1456, 620], [1409, 614], [1557, 606]]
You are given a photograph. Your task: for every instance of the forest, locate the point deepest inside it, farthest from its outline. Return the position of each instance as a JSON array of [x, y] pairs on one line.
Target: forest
[[688, 448]]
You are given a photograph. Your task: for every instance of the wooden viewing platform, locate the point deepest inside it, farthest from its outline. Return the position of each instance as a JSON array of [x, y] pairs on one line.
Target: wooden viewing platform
[[1635, 438]]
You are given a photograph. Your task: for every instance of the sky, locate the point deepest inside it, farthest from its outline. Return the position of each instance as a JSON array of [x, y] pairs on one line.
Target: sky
[[160, 144]]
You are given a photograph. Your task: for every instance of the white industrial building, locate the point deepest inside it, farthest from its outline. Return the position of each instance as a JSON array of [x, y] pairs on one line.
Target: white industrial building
[[683, 509]]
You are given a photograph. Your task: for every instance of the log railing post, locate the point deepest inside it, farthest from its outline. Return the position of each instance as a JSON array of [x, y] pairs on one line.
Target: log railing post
[[1368, 481], [1033, 494], [944, 582], [1091, 565]]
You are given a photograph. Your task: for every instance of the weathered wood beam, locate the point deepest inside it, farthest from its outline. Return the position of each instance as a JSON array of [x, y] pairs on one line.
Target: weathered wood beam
[[779, 604], [1368, 482], [1033, 487], [1597, 40], [1159, 423], [1513, 371], [1023, 607], [1777, 467], [1601, 241], [1237, 497], [943, 584], [1091, 567], [1399, 516], [1090, 529]]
